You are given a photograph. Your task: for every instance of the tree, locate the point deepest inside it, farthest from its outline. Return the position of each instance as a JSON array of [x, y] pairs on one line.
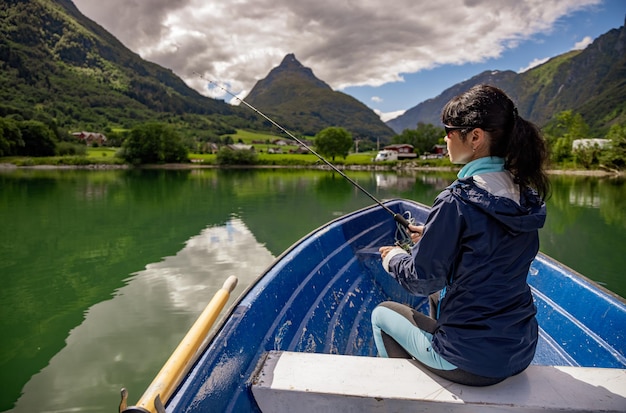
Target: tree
[[423, 138], [587, 155], [228, 156], [115, 138], [615, 156], [562, 131], [333, 141], [10, 137], [39, 140], [153, 143]]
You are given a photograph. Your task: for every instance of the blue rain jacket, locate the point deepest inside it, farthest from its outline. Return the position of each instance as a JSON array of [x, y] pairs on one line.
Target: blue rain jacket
[[479, 247]]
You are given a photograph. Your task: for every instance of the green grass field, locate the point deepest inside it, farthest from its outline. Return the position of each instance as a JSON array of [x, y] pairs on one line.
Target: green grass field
[[264, 141], [102, 152], [261, 142], [287, 159]]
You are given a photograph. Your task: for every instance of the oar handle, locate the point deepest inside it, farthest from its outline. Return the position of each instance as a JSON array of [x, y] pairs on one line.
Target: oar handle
[[166, 381]]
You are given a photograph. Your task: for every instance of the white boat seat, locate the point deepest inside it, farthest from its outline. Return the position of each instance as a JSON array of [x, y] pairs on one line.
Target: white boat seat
[[313, 382]]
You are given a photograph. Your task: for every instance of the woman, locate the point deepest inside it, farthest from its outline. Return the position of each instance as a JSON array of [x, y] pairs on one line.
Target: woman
[[474, 251]]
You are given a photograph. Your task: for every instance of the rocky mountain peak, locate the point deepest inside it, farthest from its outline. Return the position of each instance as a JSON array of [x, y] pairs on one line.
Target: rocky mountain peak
[[290, 67], [290, 62], [302, 102]]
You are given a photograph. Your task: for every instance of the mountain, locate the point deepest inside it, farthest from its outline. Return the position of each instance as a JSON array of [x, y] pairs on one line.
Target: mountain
[[591, 82], [299, 101], [58, 66], [55, 63], [429, 111]]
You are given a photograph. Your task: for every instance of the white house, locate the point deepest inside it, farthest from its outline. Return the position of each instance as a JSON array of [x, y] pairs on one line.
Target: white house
[[241, 147], [590, 143]]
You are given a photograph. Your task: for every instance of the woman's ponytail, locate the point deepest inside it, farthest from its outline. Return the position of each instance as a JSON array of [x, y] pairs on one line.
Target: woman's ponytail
[[526, 156]]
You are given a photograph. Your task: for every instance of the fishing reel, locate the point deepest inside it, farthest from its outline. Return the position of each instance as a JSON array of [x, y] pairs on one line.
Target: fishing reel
[[404, 246], [403, 237]]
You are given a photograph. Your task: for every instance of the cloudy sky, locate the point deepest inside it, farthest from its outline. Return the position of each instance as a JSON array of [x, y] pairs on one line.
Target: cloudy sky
[[389, 54]]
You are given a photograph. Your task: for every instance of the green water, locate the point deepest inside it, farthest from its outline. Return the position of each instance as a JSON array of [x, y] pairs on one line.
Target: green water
[[104, 271]]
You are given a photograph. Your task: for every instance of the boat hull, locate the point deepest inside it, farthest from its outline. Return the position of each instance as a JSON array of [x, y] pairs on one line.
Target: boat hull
[[318, 297]]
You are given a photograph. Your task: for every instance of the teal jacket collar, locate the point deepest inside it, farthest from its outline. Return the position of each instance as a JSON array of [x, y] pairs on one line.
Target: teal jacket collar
[[482, 166]]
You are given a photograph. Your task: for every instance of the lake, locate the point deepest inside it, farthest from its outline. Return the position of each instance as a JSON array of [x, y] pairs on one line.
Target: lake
[[105, 270]]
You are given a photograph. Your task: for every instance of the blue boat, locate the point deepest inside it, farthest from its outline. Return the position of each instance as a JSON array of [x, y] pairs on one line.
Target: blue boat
[[300, 338]]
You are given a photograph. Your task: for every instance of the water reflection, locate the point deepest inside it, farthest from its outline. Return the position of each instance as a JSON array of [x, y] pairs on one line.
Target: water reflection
[[77, 328], [115, 344], [407, 180], [585, 229]]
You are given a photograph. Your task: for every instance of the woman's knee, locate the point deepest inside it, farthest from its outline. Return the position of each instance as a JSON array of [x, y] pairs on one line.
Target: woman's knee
[[380, 315]]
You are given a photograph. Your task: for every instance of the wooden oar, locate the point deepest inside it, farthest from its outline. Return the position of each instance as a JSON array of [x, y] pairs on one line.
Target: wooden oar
[[164, 384]]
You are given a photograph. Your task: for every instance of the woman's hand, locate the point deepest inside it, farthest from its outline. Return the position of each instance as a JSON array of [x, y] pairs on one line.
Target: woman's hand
[[384, 251], [416, 232]]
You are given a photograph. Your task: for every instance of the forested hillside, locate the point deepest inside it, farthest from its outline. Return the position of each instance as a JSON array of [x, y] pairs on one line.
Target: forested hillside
[[591, 82], [59, 66]]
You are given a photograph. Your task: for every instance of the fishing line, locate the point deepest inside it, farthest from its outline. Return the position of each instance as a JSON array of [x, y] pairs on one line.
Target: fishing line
[[397, 217]]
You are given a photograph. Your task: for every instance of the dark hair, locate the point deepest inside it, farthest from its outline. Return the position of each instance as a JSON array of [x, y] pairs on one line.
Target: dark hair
[[513, 138]]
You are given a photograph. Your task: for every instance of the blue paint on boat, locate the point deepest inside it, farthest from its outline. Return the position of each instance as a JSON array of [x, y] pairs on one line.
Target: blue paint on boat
[[318, 297]]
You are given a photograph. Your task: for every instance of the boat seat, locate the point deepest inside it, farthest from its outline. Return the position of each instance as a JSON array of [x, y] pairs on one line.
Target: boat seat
[[314, 382]]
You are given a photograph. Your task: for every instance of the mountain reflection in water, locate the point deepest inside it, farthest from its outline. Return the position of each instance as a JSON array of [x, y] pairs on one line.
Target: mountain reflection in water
[[110, 349]]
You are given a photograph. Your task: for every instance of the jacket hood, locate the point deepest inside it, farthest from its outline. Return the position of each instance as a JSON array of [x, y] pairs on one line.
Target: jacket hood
[[529, 215]]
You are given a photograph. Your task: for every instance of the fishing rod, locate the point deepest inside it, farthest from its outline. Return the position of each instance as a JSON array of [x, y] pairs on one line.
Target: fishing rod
[[397, 217]]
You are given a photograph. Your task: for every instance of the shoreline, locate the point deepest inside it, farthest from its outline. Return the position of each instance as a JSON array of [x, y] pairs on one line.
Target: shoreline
[[397, 168]]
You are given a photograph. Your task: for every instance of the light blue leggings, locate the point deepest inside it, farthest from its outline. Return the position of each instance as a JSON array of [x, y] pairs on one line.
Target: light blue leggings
[[414, 340]]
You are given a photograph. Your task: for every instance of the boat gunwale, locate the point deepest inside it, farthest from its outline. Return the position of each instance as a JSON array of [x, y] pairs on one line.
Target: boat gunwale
[[218, 329], [580, 277]]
